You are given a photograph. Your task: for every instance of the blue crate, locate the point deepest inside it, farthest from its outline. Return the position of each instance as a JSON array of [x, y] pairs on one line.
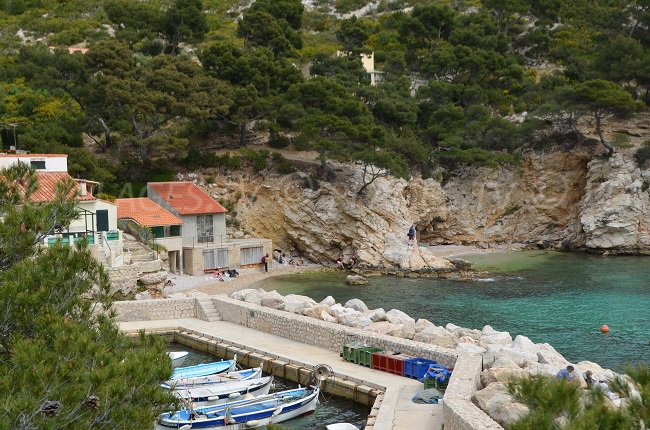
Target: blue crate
[[415, 368]]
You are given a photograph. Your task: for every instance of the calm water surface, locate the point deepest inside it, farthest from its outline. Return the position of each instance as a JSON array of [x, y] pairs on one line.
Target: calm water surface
[[330, 410], [558, 298]]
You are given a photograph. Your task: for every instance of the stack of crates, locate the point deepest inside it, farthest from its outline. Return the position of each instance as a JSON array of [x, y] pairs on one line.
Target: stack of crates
[[359, 353], [415, 368], [389, 362]]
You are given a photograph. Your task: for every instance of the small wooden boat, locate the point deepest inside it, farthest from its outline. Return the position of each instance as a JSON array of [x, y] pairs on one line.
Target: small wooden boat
[[224, 392], [245, 414], [238, 375], [204, 369], [178, 357]]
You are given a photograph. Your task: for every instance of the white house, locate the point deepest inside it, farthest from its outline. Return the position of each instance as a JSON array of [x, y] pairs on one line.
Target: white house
[[206, 245], [40, 162]]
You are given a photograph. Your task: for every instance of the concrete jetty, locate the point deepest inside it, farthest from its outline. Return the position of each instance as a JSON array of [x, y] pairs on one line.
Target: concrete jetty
[[395, 410]]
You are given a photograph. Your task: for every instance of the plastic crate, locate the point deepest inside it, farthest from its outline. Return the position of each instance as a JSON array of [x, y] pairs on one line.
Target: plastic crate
[[364, 356], [379, 361], [350, 351], [429, 383], [416, 367], [395, 364]]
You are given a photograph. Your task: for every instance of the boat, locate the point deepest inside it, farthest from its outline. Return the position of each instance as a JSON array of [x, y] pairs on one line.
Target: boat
[[178, 357], [238, 375], [253, 413], [341, 426], [205, 369], [224, 392]]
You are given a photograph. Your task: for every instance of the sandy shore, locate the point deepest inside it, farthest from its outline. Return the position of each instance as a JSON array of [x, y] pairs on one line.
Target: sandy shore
[[207, 284]]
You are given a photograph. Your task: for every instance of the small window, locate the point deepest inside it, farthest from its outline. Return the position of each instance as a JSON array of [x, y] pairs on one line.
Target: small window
[[158, 232], [174, 230], [37, 164]]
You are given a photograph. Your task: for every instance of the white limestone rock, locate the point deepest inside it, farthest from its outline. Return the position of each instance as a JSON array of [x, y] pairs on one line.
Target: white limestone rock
[[273, 300], [241, 294], [398, 317], [329, 301], [404, 331], [501, 374], [519, 357], [376, 315], [522, 343], [327, 317], [316, 311], [357, 305], [496, 337], [467, 339], [437, 336], [383, 327], [254, 297], [422, 323], [546, 354], [461, 331], [153, 278], [296, 303], [498, 404], [355, 280], [505, 363], [470, 348], [354, 319]]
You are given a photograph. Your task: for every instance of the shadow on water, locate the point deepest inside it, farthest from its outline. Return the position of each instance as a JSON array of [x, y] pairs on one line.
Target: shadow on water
[[551, 297], [330, 410]]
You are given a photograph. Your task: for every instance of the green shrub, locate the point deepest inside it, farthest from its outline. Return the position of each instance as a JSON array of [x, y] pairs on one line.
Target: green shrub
[[643, 154], [278, 140], [258, 160], [281, 164]]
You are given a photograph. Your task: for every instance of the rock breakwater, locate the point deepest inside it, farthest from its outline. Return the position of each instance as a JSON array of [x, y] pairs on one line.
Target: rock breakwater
[[504, 358]]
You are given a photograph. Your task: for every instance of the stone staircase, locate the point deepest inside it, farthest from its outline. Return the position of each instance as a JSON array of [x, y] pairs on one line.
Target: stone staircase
[[207, 311]]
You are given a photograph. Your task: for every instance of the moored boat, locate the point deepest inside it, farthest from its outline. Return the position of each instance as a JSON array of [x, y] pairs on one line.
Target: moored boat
[[224, 392], [204, 369], [253, 413], [238, 375], [178, 357]]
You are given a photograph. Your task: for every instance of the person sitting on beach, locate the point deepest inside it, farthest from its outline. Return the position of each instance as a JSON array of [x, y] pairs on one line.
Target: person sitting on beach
[[568, 374], [353, 260], [589, 378], [301, 262]]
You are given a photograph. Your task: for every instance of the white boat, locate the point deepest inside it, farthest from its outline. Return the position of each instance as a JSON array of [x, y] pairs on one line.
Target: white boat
[[238, 375], [204, 369], [244, 414], [224, 392], [341, 426], [178, 357]]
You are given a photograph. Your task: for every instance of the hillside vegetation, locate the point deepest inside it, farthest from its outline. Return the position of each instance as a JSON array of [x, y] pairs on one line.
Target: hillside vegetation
[[464, 82]]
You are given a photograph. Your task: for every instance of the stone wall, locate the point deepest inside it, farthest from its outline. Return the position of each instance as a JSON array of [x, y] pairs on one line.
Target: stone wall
[[323, 334], [459, 411], [125, 278], [147, 310]]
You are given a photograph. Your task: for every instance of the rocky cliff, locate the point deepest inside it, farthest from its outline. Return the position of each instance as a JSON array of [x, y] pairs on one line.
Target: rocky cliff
[[570, 200]]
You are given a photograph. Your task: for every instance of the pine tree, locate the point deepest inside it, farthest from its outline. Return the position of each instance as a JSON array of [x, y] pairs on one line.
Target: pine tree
[[64, 364]]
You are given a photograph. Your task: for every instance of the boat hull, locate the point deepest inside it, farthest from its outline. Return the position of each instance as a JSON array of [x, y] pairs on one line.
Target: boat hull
[[221, 393], [239, 375], [204, 369], [178, 357], [256, 419]]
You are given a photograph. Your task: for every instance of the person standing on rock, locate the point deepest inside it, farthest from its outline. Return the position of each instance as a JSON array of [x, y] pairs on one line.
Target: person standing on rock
[[265, 261], [411, 234]]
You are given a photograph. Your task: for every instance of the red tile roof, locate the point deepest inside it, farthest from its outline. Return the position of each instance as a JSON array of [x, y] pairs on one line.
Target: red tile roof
[[31, 155], [186, 198], [47, 182], [145, 212]]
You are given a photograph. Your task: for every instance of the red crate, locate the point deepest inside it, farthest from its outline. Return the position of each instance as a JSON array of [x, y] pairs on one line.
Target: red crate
[[396, 364], [379, 361]]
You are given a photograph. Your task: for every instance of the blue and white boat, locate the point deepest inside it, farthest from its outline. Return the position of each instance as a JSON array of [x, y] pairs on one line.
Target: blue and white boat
[[244, 414], [224, 392], [238, 375], [204, 369], [178, 357]]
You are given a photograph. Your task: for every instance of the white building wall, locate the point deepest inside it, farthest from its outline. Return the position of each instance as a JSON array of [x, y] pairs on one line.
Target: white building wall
[[57, 163], [93, 206]]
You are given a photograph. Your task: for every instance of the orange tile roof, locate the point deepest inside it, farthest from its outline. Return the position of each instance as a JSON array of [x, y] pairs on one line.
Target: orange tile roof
[[145, 212], [186, 198], [47, 182]]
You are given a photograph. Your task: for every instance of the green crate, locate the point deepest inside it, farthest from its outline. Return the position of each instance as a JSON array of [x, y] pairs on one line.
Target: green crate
[[364, 355], [350, 351]]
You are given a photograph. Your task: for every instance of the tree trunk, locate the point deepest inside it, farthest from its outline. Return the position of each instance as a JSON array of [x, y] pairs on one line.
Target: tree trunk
[[243, 133], [107, 134], [599, 131]]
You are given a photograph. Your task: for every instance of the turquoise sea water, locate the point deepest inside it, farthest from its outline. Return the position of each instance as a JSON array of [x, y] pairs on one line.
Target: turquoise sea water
[[559, 298]]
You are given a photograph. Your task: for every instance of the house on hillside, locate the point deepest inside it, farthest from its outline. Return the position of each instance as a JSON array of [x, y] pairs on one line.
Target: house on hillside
[[154, 224], [205, 243], [97, 219]]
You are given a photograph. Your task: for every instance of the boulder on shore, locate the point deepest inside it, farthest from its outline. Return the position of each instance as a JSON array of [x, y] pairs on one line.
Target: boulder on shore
[[499, 405], [376, 315], [398, 317], [355, 280], [357, 305]]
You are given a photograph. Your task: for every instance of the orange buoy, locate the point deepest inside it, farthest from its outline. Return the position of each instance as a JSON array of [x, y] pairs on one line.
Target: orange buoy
[[604, 328]]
